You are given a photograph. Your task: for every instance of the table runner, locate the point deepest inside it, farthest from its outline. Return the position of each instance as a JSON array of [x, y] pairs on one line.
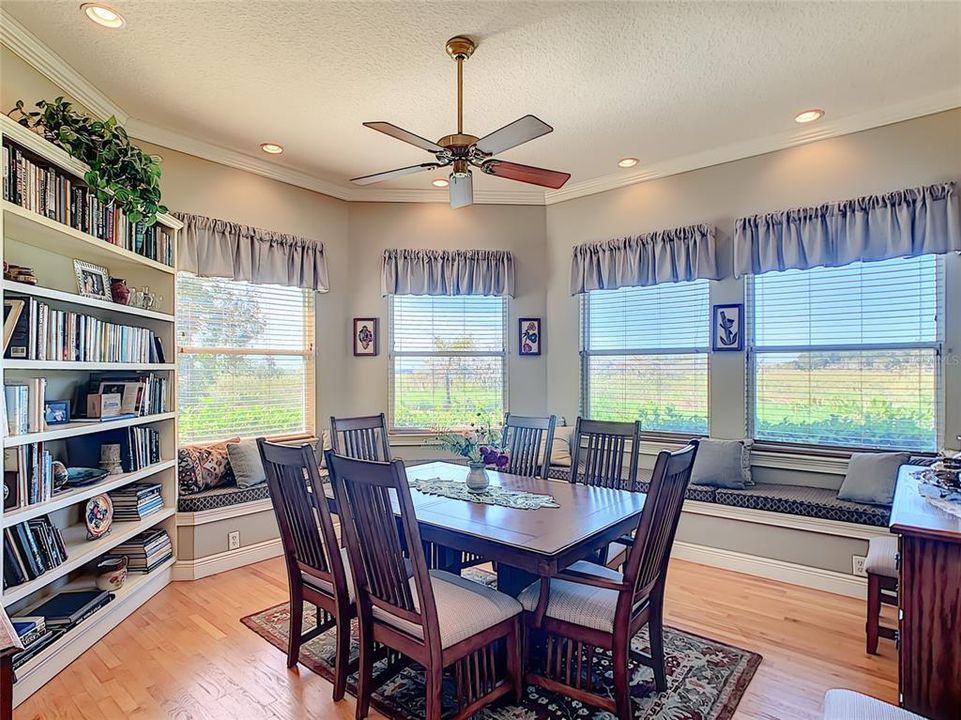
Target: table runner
[[493, 495]]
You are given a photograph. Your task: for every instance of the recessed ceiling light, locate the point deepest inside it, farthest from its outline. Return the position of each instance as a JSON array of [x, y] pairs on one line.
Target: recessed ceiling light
[[440, 182], [272, 148], [809, 115], [628, 162], [103, 15]]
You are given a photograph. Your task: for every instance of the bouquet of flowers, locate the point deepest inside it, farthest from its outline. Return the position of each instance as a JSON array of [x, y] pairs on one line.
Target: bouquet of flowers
[[480, 443]]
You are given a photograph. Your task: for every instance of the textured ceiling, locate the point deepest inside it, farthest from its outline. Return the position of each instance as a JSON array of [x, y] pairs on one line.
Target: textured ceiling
[[652, 80]]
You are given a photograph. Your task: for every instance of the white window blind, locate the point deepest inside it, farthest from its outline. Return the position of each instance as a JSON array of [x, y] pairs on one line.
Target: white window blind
[[246, 359], [645, 356], [448, 361], [848, 356]]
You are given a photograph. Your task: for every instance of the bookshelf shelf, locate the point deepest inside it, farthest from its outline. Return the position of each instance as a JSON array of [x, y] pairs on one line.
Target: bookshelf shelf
[[81, 494], [81, 301], [80, 551], [75, 429], [84, 366], [49, 247]]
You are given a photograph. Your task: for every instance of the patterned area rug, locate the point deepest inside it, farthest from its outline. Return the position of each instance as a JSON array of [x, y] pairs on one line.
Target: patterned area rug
[[706, 678]]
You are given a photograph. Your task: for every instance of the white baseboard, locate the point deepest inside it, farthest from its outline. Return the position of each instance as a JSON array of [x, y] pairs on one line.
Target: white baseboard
[[230, 560], [803, 575]]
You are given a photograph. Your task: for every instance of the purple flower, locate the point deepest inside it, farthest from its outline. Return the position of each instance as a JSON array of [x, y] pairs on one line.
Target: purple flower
[[502, 460]]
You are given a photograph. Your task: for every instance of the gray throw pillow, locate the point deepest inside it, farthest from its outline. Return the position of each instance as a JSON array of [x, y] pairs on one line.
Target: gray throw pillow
[[246, 463], [871, 477], [723, 464]]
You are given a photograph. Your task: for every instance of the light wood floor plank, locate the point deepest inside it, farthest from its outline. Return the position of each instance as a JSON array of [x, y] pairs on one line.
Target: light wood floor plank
[[184, 655]]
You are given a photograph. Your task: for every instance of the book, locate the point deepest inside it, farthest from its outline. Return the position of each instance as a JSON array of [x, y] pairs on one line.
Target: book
[[69, 608], [12, 309]]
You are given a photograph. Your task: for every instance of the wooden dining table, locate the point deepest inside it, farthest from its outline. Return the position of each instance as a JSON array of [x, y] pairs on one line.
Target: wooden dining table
[[524, 544]]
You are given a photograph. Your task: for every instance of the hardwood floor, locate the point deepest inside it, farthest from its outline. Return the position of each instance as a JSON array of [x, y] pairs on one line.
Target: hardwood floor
[[185, 655]]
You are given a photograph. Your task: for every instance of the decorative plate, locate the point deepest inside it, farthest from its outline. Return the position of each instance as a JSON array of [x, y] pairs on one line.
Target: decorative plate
[[98, 515], [80, 476]]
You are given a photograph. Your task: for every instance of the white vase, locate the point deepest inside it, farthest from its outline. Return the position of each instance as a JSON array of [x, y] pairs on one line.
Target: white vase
[[477, 479]]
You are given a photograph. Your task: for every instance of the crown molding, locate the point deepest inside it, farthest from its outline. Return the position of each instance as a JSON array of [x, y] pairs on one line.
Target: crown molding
[[928, 105], [29, 47]]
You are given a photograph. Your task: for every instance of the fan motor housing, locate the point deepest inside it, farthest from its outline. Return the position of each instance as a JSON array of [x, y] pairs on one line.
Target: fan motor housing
[[457, 141]]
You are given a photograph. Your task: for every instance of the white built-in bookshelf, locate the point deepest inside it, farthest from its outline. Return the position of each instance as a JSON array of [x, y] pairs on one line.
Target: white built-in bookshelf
[[30, 239]]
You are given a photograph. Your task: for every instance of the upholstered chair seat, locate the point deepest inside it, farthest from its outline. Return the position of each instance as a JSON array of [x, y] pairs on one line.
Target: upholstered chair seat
[[882, 558], [848, 705], [326, 587], [582, 605]]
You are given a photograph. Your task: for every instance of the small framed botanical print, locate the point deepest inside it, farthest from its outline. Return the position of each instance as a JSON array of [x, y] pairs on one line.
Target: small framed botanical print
[[529, 336], [726, 328], [93, 281], [365, 337]]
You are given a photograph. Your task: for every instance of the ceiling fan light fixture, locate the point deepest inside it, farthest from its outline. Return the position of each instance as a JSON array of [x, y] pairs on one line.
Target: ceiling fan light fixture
[[272, 148], [440, 183], [628, 162], [809, 116], [103, 15]]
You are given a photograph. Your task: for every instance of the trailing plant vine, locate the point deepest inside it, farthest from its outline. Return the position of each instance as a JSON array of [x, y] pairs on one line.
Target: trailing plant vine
[[118, 169]]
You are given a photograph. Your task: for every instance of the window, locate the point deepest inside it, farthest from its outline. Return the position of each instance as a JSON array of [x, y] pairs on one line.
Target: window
[[448, 361], [645, 356], [246, 362], [848, 356]]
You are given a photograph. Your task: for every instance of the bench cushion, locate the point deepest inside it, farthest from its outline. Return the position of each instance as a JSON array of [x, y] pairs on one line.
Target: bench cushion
[[225, 496], [806, 501], [702, 493]]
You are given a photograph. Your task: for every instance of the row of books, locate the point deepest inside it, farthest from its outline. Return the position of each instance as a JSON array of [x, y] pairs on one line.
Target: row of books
[[139, 448], [53, 194], [146, 551], [42, 333], [34, 634], [30, 549], [27, 475], [25, 405], [140, 395], [55, 616], [137, 501]]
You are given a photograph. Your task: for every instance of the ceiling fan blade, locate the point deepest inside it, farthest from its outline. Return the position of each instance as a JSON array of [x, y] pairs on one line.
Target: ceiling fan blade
[[526, 173], [405, 135], [399, 172], [517, 133], [461, 190]]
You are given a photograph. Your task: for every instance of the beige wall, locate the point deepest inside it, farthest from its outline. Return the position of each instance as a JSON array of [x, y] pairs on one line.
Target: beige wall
[[373, 227], [921, 151]]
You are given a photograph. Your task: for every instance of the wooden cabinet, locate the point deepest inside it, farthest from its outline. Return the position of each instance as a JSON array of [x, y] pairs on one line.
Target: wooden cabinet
[[929, 591]]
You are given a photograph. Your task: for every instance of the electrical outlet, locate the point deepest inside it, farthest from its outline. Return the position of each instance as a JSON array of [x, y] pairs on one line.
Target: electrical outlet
[[857, 563], [233, 540]]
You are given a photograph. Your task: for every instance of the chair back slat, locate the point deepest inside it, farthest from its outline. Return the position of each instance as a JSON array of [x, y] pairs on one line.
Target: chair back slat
[[648, 558], [363, 438], [522, 438], [306, 527], [369, 495], [600, 455]]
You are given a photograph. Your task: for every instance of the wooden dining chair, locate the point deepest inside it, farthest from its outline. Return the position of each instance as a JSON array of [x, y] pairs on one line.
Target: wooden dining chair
[[589, 607], [604, 454], [437, 619], [317, 568], [364, 438], [523, 438]]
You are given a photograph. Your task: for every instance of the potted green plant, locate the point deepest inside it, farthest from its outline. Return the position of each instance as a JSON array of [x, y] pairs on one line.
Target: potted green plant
[[119, 171]]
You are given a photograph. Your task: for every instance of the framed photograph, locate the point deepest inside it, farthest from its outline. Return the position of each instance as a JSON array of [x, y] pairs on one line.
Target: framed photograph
[[529, 337], [726, 329], [366, 340], [56, 412], [93, 281]]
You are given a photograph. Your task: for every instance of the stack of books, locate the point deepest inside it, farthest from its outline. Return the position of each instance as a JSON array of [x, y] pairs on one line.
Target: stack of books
[[42, 333], [140, 395], [24, 404], [34, 636], [146, 551], [27, 475], [45, 190], [136, 501], [30, 549]]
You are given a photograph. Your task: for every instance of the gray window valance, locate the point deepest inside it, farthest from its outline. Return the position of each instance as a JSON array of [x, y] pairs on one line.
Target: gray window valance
[[916, 221], [448, 272], [687, 253], [217, 248]]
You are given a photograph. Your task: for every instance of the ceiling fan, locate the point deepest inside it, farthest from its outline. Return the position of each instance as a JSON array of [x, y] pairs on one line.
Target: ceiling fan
[[462, 151]]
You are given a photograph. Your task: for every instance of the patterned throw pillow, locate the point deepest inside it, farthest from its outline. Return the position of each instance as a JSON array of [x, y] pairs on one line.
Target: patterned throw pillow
[[206, 466]]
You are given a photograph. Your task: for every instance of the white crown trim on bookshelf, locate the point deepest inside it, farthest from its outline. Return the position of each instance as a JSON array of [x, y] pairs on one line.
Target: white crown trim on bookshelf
[[80, 551], [75, 299], [77, 429], [68, 498]]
